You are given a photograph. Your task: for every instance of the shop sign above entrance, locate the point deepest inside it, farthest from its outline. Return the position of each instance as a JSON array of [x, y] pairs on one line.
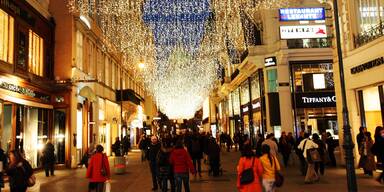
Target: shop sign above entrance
[[302, 14], [270, 61], [315, 100], [303, 31], [368, 65], [23, 90]]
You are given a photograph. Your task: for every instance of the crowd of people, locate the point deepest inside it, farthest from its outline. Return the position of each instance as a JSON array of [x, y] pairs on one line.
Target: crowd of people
[[172, 157]]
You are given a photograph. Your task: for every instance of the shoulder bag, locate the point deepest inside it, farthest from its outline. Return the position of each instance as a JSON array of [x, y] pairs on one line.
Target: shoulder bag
[[247, 176], [28, 172], [279, 178], [103, 168]]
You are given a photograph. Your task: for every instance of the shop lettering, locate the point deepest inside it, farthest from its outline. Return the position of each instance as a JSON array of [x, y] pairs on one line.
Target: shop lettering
[[18, 11], [17, 89], [367, 65], [296, 14], [319, 99]]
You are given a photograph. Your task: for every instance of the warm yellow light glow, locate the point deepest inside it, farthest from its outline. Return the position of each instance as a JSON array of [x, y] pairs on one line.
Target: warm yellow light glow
[[141, 65]]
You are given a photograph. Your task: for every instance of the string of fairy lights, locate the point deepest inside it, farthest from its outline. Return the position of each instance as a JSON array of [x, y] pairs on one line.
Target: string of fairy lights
[[182, 43]]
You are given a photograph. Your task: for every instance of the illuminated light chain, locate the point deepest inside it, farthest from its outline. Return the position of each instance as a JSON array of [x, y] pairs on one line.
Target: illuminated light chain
[[183, 43]]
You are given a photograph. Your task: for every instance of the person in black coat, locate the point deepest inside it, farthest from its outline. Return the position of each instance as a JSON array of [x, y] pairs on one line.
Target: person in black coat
[[19, 171], [48, 159], [377, 149], [126, 145], [331, 143], [116, 147], [213, 152], [196, 151], [4, 160], [153, 151]]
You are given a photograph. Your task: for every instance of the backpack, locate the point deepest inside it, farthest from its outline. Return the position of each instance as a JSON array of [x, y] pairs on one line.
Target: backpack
[[195, 146]]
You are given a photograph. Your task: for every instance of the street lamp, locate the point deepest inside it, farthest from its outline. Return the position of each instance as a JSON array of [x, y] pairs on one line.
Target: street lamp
[[348, 143]]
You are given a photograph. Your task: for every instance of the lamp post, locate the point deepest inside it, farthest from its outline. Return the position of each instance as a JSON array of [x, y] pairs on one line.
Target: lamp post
[[348, 143]]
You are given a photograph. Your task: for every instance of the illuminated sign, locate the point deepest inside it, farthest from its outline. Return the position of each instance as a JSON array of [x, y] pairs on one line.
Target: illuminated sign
[[300, 14], [303, 31], [315, 100], [270, 61]]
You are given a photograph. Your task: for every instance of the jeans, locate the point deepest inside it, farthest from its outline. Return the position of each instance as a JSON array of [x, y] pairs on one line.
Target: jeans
[[269, 185], [49, 167], [181, 178], [96, 187], [198, 167], [320, 167], [154, 173]]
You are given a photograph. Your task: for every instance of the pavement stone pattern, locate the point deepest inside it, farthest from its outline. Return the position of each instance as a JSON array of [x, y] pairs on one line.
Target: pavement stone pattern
[[138, 179]]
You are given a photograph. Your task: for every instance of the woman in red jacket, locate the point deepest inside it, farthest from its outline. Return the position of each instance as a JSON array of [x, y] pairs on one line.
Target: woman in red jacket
[[98, 171], [246, 161], [182, 163]]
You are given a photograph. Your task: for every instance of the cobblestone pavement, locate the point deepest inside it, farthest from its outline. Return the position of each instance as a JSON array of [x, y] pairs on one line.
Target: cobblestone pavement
[[137, 178]]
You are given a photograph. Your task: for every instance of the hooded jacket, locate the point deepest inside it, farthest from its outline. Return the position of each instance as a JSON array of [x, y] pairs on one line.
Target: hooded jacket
[[181, 161]]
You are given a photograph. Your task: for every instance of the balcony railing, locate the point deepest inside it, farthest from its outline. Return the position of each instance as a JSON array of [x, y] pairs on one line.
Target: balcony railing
[[309, 43], [369, 35]]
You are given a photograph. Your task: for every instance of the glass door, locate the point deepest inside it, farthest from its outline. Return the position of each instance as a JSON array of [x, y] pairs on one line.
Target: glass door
[[59, 136]]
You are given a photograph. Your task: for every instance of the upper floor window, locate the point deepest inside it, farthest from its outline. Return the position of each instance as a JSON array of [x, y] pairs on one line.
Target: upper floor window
[[371, 13], [36, 54], [79, 50], [6, 37]]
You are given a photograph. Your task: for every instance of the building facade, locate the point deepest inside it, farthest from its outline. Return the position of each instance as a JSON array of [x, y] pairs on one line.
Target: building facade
[[105, 100], [285, 81]]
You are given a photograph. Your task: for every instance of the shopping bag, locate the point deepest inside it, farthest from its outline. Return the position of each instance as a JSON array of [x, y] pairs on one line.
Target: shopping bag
[[35, 187], [108, 186]]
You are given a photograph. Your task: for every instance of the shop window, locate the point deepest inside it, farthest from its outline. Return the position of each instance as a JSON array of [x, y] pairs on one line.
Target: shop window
[[372, 108], [313, 77], [6, 37], [36, 54], [79, 50], [59, 136], [244, 92], [371, 13], [272, 80], [22, 49]]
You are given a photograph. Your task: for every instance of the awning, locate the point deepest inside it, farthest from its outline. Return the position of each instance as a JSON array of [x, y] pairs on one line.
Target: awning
[[128, 95], [7, 97], [88, 93]]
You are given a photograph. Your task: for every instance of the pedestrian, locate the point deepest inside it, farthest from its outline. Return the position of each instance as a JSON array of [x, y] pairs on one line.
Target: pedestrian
[[378, 150], [306, 144], [126, 145], [299, 153], [116, 147], [3, 166], [182, 164], [165, 167], [196, 152], [19, 171], [320, 166], [48, 159], [331, 145], [213, 152], [360, 138], [248, 160], [367, 159], [270, 141], [236, 140], [143, 146], [153, 151], [98, 171], [270, 166], [229, 142], [285, 148], [259, 145]]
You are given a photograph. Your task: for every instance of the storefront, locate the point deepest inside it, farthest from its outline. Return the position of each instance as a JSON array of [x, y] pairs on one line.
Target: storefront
[[314, 97]]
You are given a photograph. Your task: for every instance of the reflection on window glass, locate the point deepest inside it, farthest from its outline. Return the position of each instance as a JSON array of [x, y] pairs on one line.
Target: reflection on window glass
[[36, 54], [6, 37], [371, 13]]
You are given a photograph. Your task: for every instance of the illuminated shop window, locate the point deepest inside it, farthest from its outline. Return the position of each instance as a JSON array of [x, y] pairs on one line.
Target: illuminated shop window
[[371, 13], [36, 54], [79, 50], [6, 37]]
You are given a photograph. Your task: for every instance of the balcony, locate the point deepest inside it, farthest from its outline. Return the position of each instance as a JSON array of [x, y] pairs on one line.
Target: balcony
[[309, 43], [369, 35]]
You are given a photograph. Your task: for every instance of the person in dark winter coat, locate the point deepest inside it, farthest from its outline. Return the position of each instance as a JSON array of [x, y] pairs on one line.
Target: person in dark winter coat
[[153, 151], [213, 152], [19, 171], [116, 147], [285, 148], [182, 164], [331, 145], [48, 159], [320, 166], [377, 149], [196, 152], [165, 167], [4, 161], [126, 145], [367, 159], [98, 171]]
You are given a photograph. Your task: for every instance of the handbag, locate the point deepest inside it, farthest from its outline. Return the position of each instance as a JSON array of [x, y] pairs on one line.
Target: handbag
[[107, 186], [313, 155], [279, 178], [27, 169], [247, 176], [103, 169]]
